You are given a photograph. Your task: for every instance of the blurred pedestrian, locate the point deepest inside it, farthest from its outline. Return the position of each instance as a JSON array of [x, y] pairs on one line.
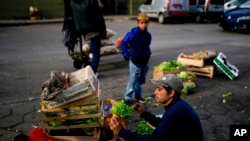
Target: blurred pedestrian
[[89, 22], [100, 4], [179, 122], [135, 47]]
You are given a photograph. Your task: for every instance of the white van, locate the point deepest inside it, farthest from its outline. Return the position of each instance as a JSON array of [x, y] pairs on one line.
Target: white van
[[206, 9], [163, 9]]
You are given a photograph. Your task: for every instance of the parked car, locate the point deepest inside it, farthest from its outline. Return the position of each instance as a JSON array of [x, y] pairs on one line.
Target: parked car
[[166, 9], [200, 10], [237, 19], [232, 4]]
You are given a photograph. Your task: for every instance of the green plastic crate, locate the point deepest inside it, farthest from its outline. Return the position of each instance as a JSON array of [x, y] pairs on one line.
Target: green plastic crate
[[222, 63]]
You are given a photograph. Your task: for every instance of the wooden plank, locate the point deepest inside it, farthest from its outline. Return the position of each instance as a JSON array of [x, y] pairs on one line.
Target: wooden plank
[[96, 125], [189, 60], [75, 103], [72, 117], [94, 137], [75, 138], [207, 71]]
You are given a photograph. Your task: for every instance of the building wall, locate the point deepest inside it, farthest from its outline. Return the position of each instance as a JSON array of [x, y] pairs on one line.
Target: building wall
[[19, 9]]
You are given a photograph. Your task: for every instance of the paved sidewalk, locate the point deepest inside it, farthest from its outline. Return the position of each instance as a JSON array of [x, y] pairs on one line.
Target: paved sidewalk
[[55, 20]]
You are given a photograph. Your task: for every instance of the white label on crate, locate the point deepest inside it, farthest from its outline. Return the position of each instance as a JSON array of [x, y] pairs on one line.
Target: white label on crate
[[73, 89], [75, 96]]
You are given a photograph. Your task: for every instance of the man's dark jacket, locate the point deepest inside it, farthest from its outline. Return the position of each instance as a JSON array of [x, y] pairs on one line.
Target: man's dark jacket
[[179, 123]]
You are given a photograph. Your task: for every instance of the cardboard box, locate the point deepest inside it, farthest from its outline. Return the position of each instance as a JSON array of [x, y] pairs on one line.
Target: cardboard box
[[83, 83], [159, 73], [189, 60], [223, 64]]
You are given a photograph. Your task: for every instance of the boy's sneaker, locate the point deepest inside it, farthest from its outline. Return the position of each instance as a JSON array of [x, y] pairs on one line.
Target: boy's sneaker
[[140, 99]]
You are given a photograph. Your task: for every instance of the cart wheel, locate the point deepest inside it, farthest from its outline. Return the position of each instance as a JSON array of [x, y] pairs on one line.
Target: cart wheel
[[86, 63], [77, 64]]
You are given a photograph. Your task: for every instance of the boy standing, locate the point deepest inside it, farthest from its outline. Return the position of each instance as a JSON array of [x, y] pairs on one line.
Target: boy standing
[[136, 48]]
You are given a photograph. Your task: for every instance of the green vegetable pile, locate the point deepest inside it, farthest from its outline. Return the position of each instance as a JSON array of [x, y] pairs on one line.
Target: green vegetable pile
[[122, 110], [188, 87], [143, 128], [185, 75], [170, 65]]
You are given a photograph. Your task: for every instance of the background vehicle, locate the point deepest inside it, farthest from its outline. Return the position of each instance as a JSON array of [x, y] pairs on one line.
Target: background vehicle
[[164, 9], [232, 4], [237, 19], [199, 10]]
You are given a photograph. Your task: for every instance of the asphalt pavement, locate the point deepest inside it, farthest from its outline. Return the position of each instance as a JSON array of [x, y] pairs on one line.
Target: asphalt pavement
[[216, 110]]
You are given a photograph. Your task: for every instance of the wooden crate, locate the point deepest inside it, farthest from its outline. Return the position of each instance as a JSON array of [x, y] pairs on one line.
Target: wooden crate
[[205, 54], [189, 60], [83, 83], [207, 70], [77, 138], [159, 73], [74, 115]]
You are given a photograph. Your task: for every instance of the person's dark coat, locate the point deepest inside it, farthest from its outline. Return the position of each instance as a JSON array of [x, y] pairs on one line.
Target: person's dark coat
[[87, 17], [136, 46]]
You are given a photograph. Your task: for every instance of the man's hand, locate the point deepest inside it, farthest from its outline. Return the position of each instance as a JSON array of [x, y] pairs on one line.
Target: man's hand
[[115, 125], [139, 108]]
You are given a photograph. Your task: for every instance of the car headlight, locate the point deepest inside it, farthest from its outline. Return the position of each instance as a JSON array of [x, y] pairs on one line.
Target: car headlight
[[243, 18], [229, 17]]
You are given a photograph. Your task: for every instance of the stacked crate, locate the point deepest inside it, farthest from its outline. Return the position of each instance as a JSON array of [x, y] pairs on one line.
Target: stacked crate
[[77, 107], [199, 62], [167, 67]]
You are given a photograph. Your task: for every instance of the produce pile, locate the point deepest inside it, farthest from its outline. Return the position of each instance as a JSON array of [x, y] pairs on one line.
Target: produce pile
[[186, 76], [170, 65], [143, 128], [188, 87], [122, 110], [188, 82]]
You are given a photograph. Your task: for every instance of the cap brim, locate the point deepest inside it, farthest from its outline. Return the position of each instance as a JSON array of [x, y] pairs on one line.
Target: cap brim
[[156, 82]]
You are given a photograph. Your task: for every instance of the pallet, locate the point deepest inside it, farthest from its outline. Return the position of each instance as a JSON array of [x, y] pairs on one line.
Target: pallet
[[207, 70]]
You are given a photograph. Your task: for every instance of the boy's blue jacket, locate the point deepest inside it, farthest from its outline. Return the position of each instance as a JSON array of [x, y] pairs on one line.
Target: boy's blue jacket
[[136, 46]]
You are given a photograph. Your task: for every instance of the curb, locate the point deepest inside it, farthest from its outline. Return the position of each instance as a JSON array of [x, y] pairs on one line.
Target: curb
[[5, 23]]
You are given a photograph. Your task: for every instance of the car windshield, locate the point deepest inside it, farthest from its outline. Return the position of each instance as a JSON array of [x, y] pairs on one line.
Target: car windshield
[[245, 5]]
